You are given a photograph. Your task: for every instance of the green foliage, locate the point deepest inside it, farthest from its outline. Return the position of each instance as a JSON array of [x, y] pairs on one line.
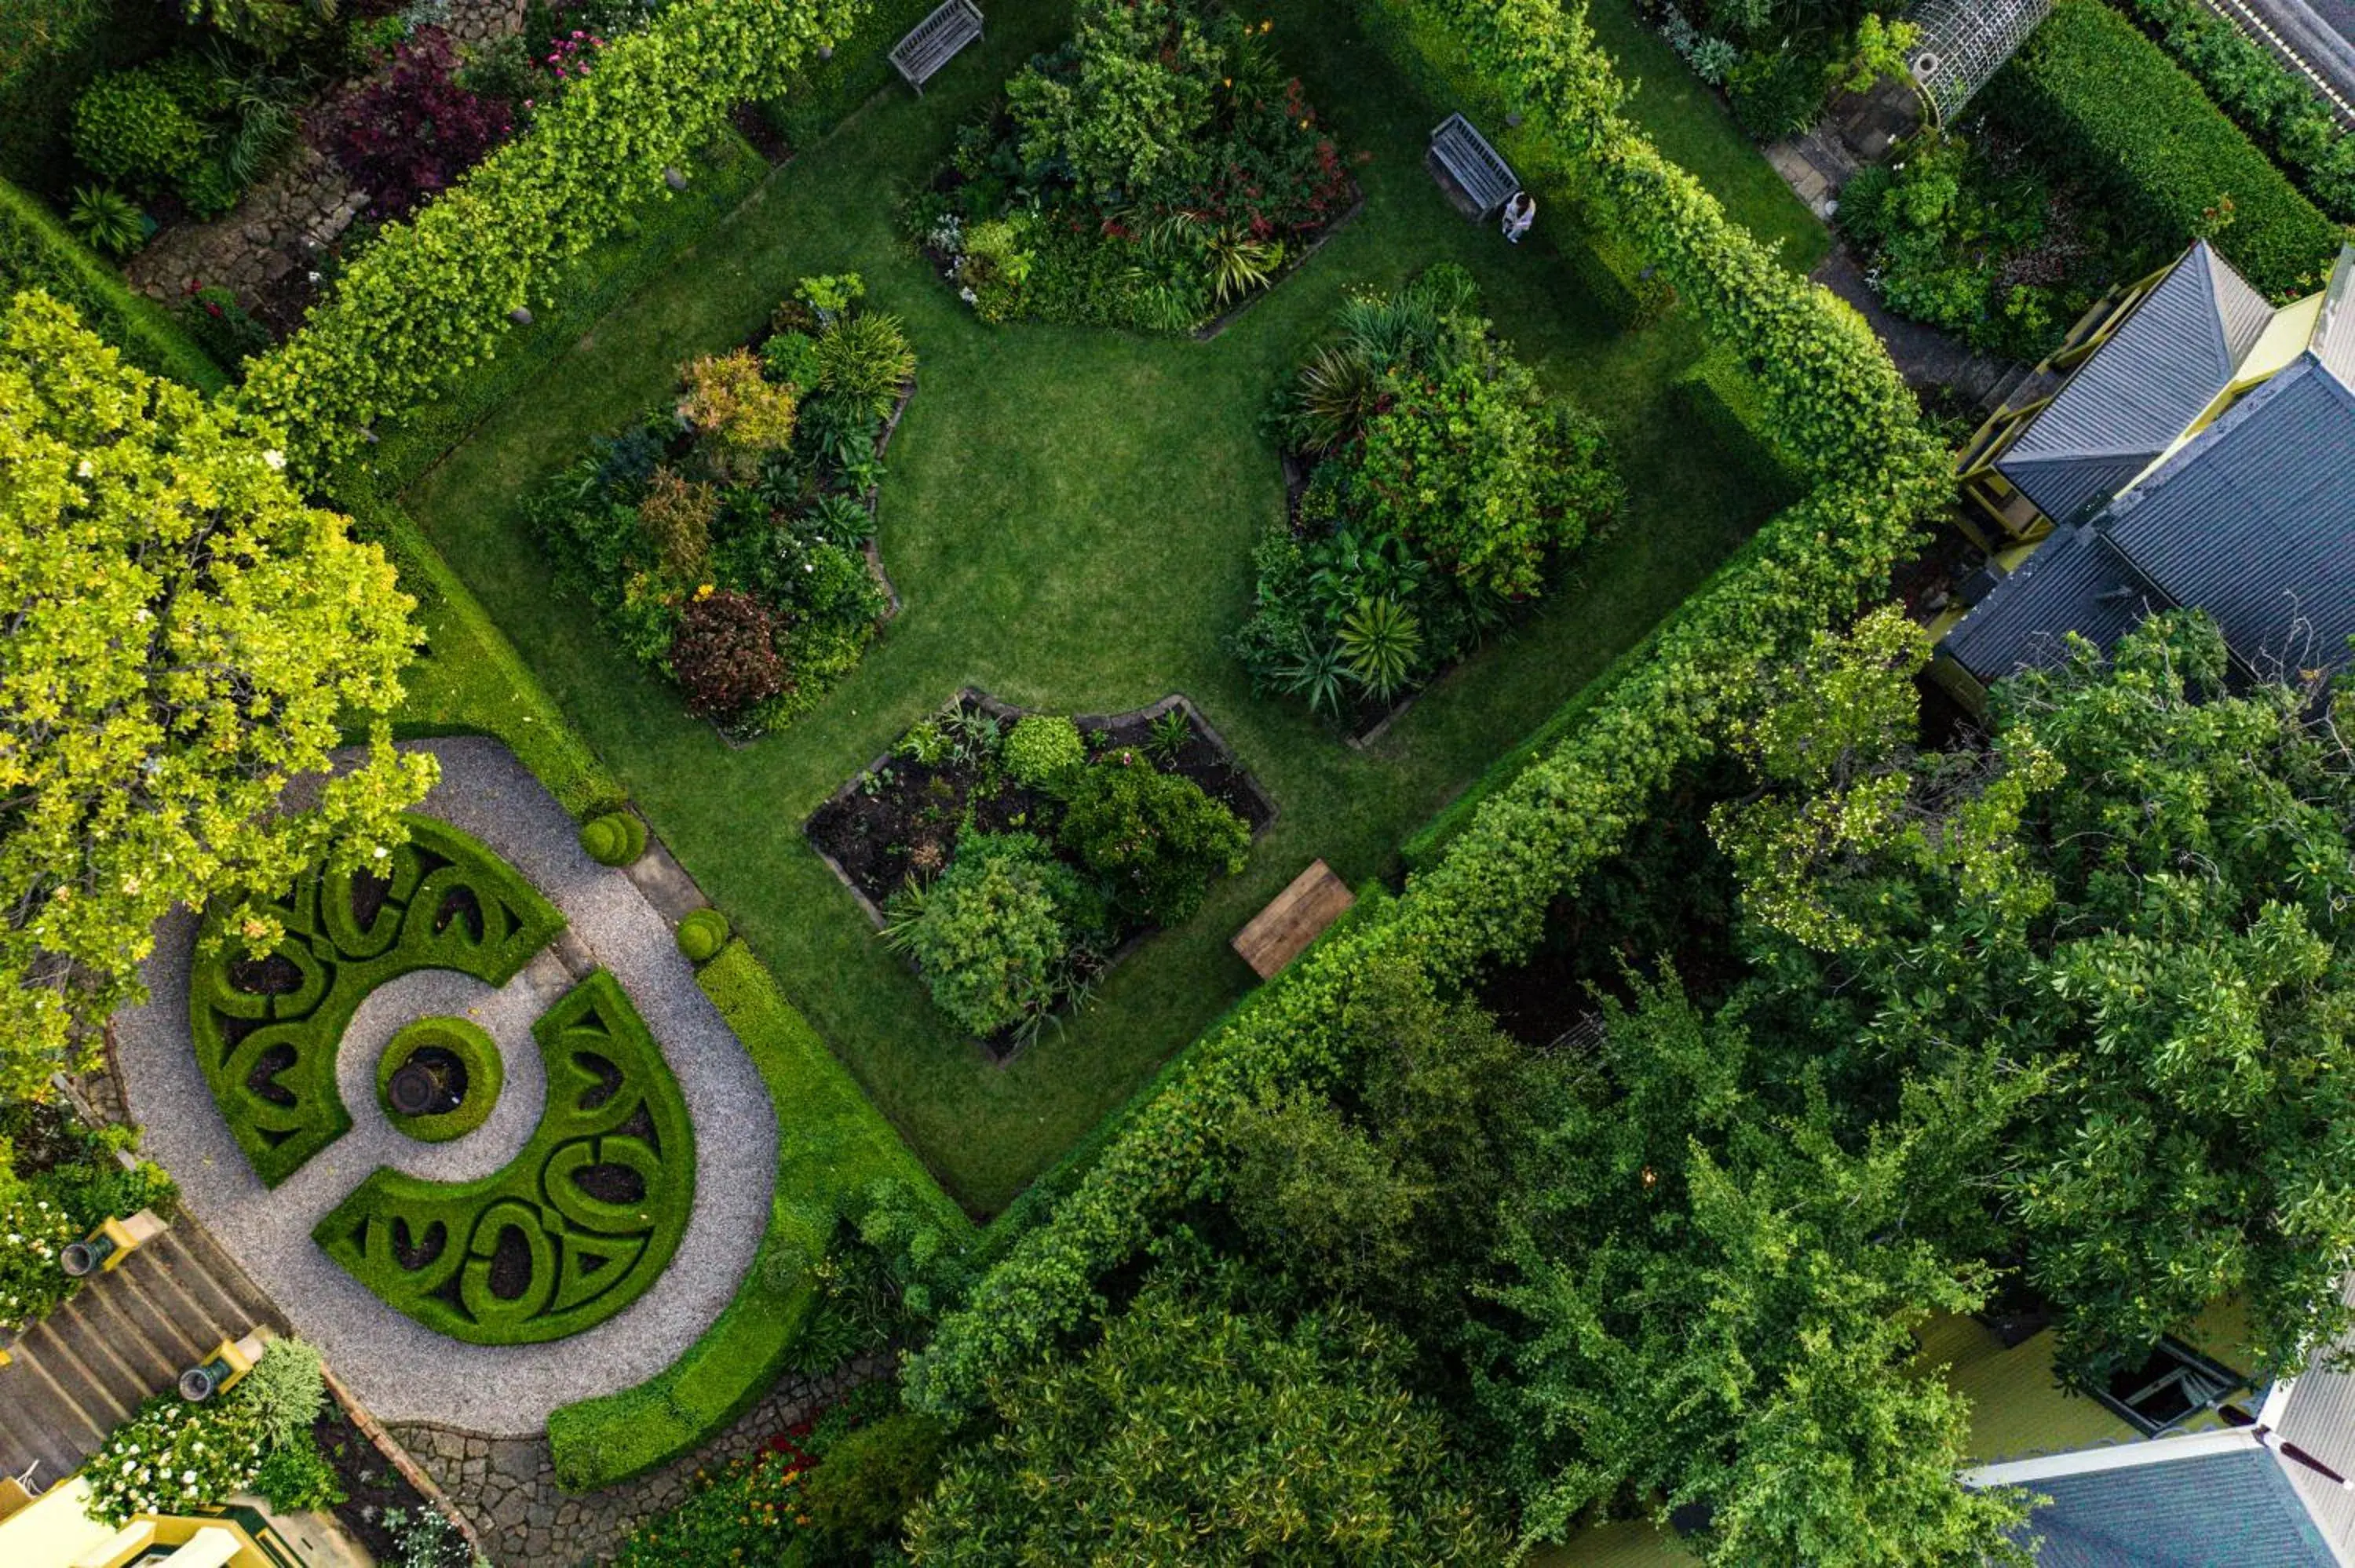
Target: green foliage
[[866, 360], [267, 1032], [295, 1477], [834, 1155], [701, 935], [1378, 641], [429, 299], [478, 1057], [617, 838], [37, 251], [1260, 1443], [58, 1180], [1155, 837], [174, 1457], [543, 1210], [284, 1393], [132, 128], [869, 1480], [1779, 92], [2110, 105], [994, 935], [1126, 118], [2276, 105], [107, 220], [147, 771], [1044, 750], [741, 1511], [791, 359]]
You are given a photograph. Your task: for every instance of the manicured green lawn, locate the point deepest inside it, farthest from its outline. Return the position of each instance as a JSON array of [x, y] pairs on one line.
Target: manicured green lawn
[[1069, 519]]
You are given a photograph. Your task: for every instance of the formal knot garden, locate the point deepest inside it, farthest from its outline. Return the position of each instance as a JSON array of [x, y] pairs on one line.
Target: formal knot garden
[[840, 602]]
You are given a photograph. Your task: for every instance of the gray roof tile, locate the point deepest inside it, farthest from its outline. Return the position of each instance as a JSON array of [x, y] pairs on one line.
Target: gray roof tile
[[2072, 583], [2222, 1511]]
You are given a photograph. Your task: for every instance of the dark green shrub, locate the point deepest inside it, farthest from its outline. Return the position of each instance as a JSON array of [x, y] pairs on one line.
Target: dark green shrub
[[106, 220], [791, 359], [38, 252], [994, 935], [1155, 837], [297, 1476], [868, 1479], [131, 128], [221, 326], [2109, 105], [1778, 92], [701, 935], [617, 838], [1043, 750]]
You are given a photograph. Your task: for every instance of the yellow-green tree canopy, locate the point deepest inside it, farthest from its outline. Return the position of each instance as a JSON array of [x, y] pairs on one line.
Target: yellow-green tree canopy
[[179, 637]]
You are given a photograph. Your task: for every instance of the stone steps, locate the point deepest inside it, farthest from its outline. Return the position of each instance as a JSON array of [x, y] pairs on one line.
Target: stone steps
[[122, 1339]]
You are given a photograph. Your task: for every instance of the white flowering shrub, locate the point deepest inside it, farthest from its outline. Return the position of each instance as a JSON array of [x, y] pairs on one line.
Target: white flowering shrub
[[32, 1229], [174, 1455]]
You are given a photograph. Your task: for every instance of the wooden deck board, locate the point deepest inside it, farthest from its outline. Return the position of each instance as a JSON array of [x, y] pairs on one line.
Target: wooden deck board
[[1298, 916]]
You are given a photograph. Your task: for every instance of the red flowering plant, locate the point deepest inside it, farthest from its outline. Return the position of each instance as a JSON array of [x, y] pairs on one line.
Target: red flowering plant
[[412, 131]]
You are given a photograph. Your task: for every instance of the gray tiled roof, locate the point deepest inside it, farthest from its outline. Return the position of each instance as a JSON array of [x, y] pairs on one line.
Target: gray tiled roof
[[2222, 1510], [2072, 583], [2253, 521], [2141, 389]]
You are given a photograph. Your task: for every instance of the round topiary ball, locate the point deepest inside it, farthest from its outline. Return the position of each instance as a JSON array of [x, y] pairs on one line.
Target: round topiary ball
[[1043, 749], [701, 935], [617, 838]]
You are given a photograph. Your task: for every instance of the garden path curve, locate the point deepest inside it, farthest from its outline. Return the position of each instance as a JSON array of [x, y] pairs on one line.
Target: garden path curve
[[400, 1369]]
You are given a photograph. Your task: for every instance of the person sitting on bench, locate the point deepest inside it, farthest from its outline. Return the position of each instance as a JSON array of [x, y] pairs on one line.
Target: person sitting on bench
[[1519, 213]]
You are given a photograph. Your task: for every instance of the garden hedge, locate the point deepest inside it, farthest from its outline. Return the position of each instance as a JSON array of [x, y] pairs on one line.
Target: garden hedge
[[336, 950], [2105, 102], [431, 297], [477, 1055], [2278, 107], [1843, 419], [37, 251], [833, 1146], [613, 1113]]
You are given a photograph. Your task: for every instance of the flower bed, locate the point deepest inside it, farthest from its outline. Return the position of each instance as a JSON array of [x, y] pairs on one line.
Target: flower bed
[[728, 539], [57, 1179], [1011, 855], [1155, 173], [1435, 490]]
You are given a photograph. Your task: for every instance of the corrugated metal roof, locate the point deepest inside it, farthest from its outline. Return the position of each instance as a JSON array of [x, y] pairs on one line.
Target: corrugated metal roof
[[2334, 335], [2253, 521], [2221, 1510], [2319, 1418], [2141, 389], [2072, 583]]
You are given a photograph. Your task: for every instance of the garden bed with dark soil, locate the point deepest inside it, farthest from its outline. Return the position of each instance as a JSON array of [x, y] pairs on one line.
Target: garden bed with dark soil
[[372, 1485], [899, 814]]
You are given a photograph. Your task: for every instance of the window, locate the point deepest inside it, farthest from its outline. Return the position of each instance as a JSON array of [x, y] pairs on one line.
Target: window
[[2171, 1386]]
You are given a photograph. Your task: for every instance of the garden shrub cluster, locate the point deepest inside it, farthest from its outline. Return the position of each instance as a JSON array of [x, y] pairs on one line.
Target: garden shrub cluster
[[1153, 172], [268, 1025], [575, 1228], [2277, 106], [2107, 104], [174, 1457], [1779, 65], [58, 1180], [1842, 418], [1442, 488], [724, 538], [431, 297], [480, 1074], [1028, 858], [839, 1160], [38, 252]]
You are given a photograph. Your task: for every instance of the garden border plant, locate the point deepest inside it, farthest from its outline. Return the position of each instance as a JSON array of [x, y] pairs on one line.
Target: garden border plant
[[268, 1049], [37, 251], [478, 1059], [598, 1198], [1842, 418]]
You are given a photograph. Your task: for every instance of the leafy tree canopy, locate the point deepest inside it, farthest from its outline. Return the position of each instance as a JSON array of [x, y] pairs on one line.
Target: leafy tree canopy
[[181, 639]]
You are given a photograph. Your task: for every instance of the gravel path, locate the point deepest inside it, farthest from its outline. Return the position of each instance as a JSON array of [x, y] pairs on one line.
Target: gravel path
[[401, 1369]]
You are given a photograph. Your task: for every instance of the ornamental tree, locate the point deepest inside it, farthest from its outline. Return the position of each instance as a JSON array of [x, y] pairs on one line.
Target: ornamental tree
[[182, 641]]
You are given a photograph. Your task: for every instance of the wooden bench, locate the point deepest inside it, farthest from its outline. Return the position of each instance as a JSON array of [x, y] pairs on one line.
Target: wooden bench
[[934, 41], [1300, 913], [1470, 169]]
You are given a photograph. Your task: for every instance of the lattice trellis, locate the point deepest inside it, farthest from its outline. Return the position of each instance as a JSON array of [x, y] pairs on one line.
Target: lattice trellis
[[1964, 42]]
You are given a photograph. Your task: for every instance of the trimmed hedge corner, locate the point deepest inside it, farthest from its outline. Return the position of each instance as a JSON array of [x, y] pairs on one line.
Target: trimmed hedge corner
[[701, 935], [833, 1146], [617, 839], [575, 1228], [37, 251], [2096, 94], [478, 1059]]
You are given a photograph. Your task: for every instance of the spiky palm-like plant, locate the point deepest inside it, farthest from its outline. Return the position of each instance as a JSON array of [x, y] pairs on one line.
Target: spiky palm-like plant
[[1379, 641]]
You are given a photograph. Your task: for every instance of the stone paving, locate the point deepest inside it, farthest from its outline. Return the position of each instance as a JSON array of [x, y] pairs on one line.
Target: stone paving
[[400, 1369], [506, 1486]]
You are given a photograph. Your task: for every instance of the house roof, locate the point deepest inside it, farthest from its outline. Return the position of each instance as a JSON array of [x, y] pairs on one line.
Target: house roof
[[2334, 335], [2253, 521], [2074, 582], [2232, 1510], [2141, 390], [2316, 1413]]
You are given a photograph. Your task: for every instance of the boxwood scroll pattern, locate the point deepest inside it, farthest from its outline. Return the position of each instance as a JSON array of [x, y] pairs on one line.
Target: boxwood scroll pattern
[[267, 1030], [574, 1228]]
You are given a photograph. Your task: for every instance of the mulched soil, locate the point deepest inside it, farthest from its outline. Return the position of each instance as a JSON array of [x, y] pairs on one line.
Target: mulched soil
[[757, 128], [371, 1483]]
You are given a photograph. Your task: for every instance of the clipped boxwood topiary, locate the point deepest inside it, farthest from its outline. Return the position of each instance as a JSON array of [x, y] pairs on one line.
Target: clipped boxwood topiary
[[701, 935], [617, 838], [1043, 749], [466, 1061]]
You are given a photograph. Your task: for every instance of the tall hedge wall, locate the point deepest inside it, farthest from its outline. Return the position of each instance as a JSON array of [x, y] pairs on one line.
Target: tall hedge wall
[[37, 251], [2107, 103], [431, 297], [1844, 419]]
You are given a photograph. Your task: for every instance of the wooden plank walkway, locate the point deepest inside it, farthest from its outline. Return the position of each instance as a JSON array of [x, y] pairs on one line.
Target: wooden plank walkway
[[1299, 915]]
